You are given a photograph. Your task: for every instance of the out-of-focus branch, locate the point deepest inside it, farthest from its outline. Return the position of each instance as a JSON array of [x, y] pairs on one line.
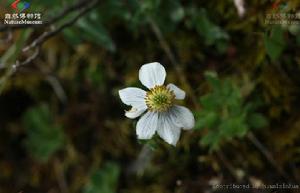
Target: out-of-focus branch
[[57, 88], [268, 155], [224, 160], [66, 11], [27, 61], [13, 69]]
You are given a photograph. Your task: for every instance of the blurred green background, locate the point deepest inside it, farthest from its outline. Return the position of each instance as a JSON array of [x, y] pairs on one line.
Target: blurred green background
[[62, 124]]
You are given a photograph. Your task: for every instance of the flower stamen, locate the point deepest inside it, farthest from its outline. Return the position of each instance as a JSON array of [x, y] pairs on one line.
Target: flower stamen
[[159, 99]]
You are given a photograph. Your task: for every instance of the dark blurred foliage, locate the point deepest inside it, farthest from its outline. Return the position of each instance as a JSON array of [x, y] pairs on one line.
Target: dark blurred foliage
[[62, 124]]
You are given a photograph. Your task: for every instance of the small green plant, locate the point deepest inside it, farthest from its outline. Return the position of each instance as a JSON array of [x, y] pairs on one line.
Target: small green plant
[[225, 114], [44, 137], [104, 180], [211, 33]]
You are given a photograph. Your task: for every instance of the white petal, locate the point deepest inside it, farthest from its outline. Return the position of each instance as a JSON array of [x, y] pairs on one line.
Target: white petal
[[134, 113], [152, 74], [147, 125], [179, 94], [182, 117], [168, 130], [134, 97]]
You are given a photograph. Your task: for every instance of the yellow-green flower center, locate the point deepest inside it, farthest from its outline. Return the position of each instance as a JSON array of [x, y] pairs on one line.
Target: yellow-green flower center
[[159, 99]]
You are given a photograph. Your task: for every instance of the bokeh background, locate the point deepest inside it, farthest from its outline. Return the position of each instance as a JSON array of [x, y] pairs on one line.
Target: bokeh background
[[62, 124]]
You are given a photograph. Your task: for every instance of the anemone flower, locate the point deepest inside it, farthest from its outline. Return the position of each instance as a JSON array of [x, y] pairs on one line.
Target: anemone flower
[[157, 107]]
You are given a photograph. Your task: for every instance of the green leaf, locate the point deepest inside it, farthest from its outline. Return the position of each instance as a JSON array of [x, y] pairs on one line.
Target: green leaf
[[206, 119], [44, 138], [233, 126], [210, 102], [212, 140], [72, 36], [275, 43], [205, 27], [104, 180], [95, 32]]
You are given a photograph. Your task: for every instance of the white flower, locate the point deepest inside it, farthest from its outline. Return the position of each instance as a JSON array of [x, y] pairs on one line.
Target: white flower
[[162, 115]]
